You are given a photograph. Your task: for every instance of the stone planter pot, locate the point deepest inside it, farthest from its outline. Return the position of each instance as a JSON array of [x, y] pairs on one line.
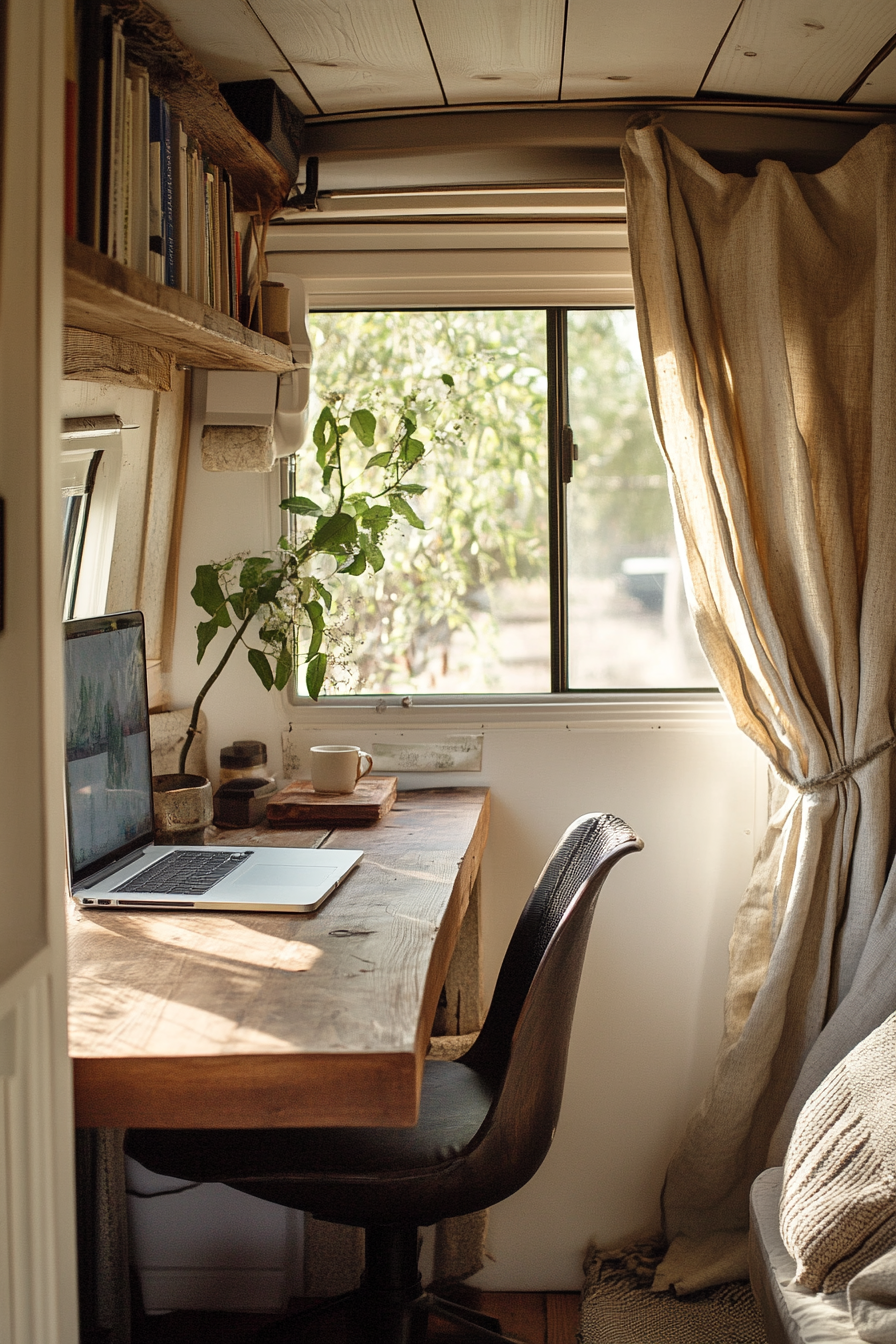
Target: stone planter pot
[[183, 807]]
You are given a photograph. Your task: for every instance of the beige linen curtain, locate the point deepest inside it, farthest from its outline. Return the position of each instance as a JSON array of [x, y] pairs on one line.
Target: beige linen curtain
[[767, 313]]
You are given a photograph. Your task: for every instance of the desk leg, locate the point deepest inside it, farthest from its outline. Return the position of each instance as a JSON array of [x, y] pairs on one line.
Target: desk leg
[[460, 1005], [103, 1262]]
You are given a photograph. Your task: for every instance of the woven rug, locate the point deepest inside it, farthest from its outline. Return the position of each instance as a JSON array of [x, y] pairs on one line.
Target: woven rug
[[618, 1306]]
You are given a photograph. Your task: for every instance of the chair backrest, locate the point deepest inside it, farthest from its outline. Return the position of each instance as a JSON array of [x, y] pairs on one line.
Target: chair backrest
[[524, 1042]]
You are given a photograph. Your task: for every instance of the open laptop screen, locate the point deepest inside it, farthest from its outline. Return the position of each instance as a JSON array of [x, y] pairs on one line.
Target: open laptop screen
[[107, 756]]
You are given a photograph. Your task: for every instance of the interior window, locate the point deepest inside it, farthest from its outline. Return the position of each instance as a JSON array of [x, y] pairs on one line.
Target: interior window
[[79, 471], [543, 566], [90, 485]]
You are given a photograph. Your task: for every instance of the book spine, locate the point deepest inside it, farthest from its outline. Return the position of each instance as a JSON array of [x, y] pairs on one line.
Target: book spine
[[71, 121], [238, 275], [209, 236], [127, 183], [156, 241], [115, 200], [88, 106], [167, 172], [140, 169], [230, 233], [181, 203], [104, 136]]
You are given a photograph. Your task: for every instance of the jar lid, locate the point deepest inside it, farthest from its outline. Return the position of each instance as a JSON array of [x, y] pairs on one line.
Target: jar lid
[[243, 753]]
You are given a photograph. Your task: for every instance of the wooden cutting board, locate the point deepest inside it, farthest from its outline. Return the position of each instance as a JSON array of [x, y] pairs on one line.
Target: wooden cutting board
[[299, 805]]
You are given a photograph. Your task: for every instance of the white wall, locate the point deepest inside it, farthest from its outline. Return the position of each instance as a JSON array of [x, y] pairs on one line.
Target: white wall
[[649, 1014]]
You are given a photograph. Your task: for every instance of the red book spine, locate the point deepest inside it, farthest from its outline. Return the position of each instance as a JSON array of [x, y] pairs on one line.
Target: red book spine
[[71, 158]]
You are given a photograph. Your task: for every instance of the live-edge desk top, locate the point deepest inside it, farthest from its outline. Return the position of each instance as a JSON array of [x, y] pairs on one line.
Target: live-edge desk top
[[235, 1020]]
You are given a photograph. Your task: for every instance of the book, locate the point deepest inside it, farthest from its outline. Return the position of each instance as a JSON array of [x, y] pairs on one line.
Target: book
[[127, 135], [90, 101], [71, 121], [156, 239], [181, 207], [139, 222], [167, 181], [104, 134]]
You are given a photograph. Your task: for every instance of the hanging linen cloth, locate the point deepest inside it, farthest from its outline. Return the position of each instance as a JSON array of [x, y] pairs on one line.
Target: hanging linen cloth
[[767, 315]]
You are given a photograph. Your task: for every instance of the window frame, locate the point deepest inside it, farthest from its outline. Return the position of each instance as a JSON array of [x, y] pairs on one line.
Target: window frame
[[560, 453]]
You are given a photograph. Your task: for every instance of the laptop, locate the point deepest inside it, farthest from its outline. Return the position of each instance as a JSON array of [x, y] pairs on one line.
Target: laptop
[[114, 863]]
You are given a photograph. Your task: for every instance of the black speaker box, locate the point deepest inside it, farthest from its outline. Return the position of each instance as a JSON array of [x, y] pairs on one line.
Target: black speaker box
[[265, 110]]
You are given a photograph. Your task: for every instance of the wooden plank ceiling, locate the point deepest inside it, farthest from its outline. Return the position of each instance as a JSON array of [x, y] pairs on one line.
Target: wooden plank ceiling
[[349, 56]]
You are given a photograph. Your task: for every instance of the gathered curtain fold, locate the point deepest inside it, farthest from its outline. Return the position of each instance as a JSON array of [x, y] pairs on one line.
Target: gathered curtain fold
[[767, 316]]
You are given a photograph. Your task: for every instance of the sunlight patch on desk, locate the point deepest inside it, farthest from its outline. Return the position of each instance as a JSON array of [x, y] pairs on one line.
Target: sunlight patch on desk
[[229, 939], [152, 1025]]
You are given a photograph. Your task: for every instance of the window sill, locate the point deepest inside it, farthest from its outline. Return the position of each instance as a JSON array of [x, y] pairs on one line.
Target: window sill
[[608, 711]]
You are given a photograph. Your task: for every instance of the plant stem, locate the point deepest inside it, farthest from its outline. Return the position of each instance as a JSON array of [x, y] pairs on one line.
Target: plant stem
[[193, 729]]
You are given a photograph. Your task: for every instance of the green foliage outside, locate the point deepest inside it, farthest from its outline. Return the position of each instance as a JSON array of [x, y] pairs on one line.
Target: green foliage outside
[[485, 506], [486, 475], [619, 500]]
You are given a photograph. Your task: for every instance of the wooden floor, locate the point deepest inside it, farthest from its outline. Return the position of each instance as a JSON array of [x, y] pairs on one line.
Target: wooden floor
[[534, 1318]]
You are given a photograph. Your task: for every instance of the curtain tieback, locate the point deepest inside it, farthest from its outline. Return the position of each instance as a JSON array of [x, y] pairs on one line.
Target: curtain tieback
[[834, 777]]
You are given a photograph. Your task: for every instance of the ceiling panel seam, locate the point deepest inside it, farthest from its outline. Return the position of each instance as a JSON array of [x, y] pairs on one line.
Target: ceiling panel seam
[[563, 50], [886, 50], [283, 55], [722, 40], [436, 71]]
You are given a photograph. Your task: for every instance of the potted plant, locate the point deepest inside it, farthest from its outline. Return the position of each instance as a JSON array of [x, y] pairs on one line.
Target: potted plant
[[282, 594]]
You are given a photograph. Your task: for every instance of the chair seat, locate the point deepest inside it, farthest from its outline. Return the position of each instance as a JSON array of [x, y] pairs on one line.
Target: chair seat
[[455, 1101]]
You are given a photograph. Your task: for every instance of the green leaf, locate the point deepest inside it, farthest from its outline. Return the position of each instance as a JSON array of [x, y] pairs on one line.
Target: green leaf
[[337, 530], [377, 515], [205, 633], [268, 591], [315, 614], [300, 505], [283, 670], [237, 602], [253, 571], [324, 432], [208, 594], [414, 451], [262, 667], [315, 673], [356, 564], [380, 459], [314, 643], [364, 425], [447, 379], [324, 593], [403, 507], [410, 488], [375, 557]]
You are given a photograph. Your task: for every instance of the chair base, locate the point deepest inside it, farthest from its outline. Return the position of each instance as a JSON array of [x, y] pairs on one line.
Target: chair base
[[390, 1306]]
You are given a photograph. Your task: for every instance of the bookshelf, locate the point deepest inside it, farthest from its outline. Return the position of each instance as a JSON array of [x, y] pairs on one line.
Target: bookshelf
[[105, 297], [125, 308]]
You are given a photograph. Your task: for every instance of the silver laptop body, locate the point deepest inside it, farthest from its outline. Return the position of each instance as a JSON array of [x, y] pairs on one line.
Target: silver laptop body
[[113, 861]]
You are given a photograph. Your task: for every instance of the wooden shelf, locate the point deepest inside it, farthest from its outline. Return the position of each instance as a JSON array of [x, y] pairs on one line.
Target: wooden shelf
[[103, 296]]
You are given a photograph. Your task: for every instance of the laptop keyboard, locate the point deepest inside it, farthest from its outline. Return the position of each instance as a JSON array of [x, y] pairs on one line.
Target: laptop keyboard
[[185, 873]]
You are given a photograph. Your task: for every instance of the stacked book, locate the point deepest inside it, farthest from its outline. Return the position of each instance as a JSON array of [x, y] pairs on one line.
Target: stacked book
[[146, 193]]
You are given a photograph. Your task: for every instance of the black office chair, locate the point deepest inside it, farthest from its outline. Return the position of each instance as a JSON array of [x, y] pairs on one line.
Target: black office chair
[[486, 1120]]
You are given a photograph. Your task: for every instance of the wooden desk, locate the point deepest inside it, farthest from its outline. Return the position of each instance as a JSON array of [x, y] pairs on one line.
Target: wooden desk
[[236, 1020]]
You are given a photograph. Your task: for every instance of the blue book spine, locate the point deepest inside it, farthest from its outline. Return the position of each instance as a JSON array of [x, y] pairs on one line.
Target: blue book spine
[[156, 241], [167, 168]]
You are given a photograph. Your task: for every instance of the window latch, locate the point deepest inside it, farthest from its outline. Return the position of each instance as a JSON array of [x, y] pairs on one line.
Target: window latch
[[569, 453]]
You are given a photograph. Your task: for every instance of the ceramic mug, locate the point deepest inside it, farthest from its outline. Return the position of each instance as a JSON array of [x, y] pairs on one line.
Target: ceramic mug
[[338, 769]]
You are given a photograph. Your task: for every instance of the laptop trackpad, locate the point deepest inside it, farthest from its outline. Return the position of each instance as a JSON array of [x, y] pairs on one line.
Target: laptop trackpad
[[284, 875]]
